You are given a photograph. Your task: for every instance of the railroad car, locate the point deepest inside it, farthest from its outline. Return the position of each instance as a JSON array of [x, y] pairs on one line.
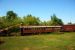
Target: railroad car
[[3, 32], [68, 28], [26, 30]]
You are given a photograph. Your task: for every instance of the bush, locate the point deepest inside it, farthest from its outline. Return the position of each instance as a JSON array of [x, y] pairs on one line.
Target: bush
[[14, 31]]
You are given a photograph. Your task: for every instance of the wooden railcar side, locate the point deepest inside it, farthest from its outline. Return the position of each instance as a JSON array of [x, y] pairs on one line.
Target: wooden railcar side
[[68, 28], [39, 29]]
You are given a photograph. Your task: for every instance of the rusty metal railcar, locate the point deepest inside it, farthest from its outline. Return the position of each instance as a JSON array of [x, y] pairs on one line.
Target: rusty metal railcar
[[44, 29], [3, 32], [26, 30], [68, 28]]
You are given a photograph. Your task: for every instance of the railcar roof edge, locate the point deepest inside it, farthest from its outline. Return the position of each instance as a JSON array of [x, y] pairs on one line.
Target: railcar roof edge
[[37, 26]]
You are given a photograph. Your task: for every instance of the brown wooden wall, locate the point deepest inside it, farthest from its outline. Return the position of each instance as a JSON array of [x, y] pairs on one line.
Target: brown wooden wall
[[68, 28], [40, 30]]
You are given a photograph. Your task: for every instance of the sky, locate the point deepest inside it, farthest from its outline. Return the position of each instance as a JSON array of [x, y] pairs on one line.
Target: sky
[[44, 9]]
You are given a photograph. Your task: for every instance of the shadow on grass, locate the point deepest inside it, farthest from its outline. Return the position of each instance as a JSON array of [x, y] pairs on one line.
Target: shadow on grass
[[1, 42]]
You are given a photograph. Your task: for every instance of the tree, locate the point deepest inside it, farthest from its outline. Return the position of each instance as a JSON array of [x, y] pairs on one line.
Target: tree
[[17, 20], [55, 20], [70, 23], [3, 22], [44, 23], [11, 15], [10, 19], [31, 20]]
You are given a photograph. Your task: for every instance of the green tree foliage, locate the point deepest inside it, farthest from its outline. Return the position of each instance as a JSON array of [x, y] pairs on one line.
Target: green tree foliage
[[1, 25], [11, 15], [44, 23], [31, 20], [55, 20], [3, 22], [69, 23], [10, 19], [17, 20]]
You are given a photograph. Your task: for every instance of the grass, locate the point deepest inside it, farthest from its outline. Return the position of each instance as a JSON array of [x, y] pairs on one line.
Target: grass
[[51, 41]]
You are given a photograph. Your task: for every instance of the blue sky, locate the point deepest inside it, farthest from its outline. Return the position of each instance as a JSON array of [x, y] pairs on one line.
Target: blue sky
[[64, 9]]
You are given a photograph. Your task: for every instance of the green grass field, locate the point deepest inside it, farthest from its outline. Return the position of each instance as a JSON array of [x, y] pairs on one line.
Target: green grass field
[[51, 41]]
